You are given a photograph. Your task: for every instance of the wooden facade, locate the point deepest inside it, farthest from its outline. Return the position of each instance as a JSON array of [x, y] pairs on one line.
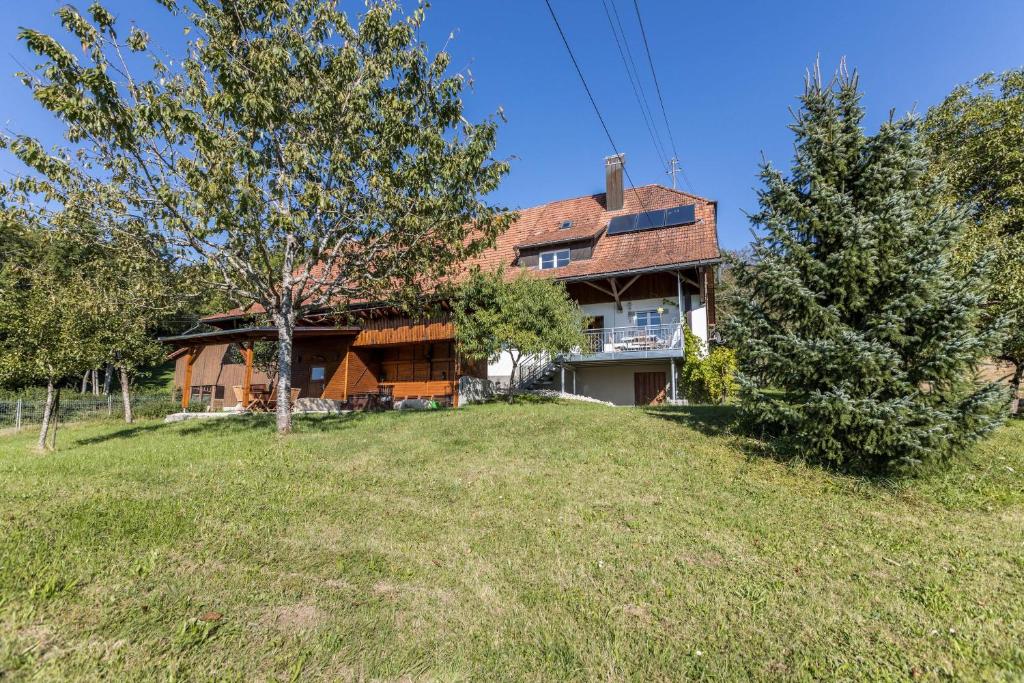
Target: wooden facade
[[414, 358]]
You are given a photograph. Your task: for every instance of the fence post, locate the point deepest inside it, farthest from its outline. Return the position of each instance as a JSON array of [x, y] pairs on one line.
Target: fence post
[[17, 416]]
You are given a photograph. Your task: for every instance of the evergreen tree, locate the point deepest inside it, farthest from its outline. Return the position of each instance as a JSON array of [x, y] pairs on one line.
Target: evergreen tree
[[857, 342]]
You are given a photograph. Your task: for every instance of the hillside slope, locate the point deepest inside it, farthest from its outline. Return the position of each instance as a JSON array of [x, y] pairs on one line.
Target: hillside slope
[[534, 541]]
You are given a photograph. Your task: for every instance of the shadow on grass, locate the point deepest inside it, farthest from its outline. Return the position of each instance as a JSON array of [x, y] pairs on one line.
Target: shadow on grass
[[721, 421], [706, 419], [126, 432], [724, 421], [258, 423], [301, 423]]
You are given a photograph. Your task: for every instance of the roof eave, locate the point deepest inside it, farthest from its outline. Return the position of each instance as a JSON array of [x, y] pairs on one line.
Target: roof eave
[[641, 271]]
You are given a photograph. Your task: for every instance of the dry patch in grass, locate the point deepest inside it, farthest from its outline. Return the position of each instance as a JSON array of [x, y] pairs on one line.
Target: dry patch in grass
[[292, 618]]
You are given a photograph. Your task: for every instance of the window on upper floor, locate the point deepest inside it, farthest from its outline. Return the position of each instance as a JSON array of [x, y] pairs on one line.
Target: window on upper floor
[[647, 318], [554, 259]]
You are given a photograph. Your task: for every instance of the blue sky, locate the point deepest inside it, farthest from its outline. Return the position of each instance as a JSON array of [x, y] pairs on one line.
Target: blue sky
[[729, 72]]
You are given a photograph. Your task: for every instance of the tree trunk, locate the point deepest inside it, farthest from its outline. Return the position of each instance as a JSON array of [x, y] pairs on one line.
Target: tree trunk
[[285, 323], [1018, 375], [85, 381], [56, 419], [47, 413], [512, 379], [95, 382], [108, 379], [126, 394]]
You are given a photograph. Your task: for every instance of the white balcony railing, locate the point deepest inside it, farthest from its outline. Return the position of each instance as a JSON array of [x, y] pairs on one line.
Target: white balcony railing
[[638, 338]]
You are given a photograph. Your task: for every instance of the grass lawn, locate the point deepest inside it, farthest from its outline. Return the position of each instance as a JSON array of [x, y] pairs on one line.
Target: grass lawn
[[494, 542]]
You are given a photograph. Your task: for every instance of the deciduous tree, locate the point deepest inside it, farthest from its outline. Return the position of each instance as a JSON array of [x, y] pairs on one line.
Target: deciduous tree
[[976, 140], [130, 274], [49, 323], [520, 316], [308, 156]]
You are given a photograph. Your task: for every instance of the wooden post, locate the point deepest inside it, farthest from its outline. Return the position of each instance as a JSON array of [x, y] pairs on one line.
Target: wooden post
[[344, 390], [186, 390], [247, 381]]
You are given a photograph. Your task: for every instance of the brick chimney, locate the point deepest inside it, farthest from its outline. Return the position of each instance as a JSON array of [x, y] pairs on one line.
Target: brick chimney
[[613, 186]]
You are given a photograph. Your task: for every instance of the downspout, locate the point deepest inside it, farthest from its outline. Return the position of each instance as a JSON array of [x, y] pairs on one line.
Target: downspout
[[672, 363], [682, 312]]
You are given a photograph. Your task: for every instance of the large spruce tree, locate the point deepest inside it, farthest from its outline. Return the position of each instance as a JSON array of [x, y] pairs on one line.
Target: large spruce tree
[[857, 342]]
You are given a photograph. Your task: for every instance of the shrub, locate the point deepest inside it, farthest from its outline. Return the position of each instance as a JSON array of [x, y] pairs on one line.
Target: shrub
[[707, 377]]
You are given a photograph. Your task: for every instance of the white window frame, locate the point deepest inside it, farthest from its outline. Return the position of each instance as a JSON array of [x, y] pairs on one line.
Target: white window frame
[[647, 314], [556, 260]]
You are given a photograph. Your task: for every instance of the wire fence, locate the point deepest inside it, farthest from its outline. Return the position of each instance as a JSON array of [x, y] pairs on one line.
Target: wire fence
[[18, 413]]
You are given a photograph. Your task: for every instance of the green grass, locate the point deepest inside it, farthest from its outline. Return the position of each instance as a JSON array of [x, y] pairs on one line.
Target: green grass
[[495, 542]]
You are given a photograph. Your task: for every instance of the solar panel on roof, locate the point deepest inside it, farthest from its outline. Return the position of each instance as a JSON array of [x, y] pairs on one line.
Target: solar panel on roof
[[652, 220]]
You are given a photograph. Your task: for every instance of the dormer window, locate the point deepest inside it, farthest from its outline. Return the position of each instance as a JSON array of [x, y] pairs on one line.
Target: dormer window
[[565, 225], [554, 259]]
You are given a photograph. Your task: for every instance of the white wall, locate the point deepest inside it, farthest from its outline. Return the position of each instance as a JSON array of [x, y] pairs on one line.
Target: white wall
[[613, 317], [698, 319], [499, 369], [614, 382]]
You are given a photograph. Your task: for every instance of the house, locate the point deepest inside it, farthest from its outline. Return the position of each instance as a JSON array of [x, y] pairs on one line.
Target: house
[[640, 263]]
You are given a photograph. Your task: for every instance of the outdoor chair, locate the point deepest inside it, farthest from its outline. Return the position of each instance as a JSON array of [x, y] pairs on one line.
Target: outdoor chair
[[386, 397], [257, 400], [271, 401]]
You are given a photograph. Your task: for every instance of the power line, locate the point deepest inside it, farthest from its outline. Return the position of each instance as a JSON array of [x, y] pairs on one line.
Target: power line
[[593, 102], [657, 87], [634, 81]]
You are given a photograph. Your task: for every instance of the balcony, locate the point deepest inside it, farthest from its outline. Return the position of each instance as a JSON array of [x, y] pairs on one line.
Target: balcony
[[637, 341]]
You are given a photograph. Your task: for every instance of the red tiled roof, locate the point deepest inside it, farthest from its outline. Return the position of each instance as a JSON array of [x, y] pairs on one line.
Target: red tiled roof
[[649, 249], [563, 235], [613, 253]]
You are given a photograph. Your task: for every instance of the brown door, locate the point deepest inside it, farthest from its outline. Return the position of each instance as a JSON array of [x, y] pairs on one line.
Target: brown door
[[316, 382], [648, 388]]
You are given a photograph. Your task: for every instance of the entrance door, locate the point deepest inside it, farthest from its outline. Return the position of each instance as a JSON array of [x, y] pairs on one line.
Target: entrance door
[[648, 388], [317, 381]]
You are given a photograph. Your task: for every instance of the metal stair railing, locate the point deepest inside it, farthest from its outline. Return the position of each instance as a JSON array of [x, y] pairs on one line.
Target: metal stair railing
[[533, 369]]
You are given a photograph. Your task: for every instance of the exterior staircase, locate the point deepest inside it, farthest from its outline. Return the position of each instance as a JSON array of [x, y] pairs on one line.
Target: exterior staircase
[[538, 372]]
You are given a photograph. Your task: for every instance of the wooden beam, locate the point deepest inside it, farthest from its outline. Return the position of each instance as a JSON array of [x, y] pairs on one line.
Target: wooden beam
[[247, 380], [598, 287], [615, 292], [348, 352], [628, 285], [186, 391]]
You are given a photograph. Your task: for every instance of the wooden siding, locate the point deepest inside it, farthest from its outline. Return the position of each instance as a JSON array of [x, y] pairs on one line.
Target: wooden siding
[[420, 362], [390, 331], [395, 349], [363, 372], [649, 286], [209, 368], [434, 390]]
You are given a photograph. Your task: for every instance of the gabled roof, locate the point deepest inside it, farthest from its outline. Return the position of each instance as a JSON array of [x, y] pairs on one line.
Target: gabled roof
[[647, 250]]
